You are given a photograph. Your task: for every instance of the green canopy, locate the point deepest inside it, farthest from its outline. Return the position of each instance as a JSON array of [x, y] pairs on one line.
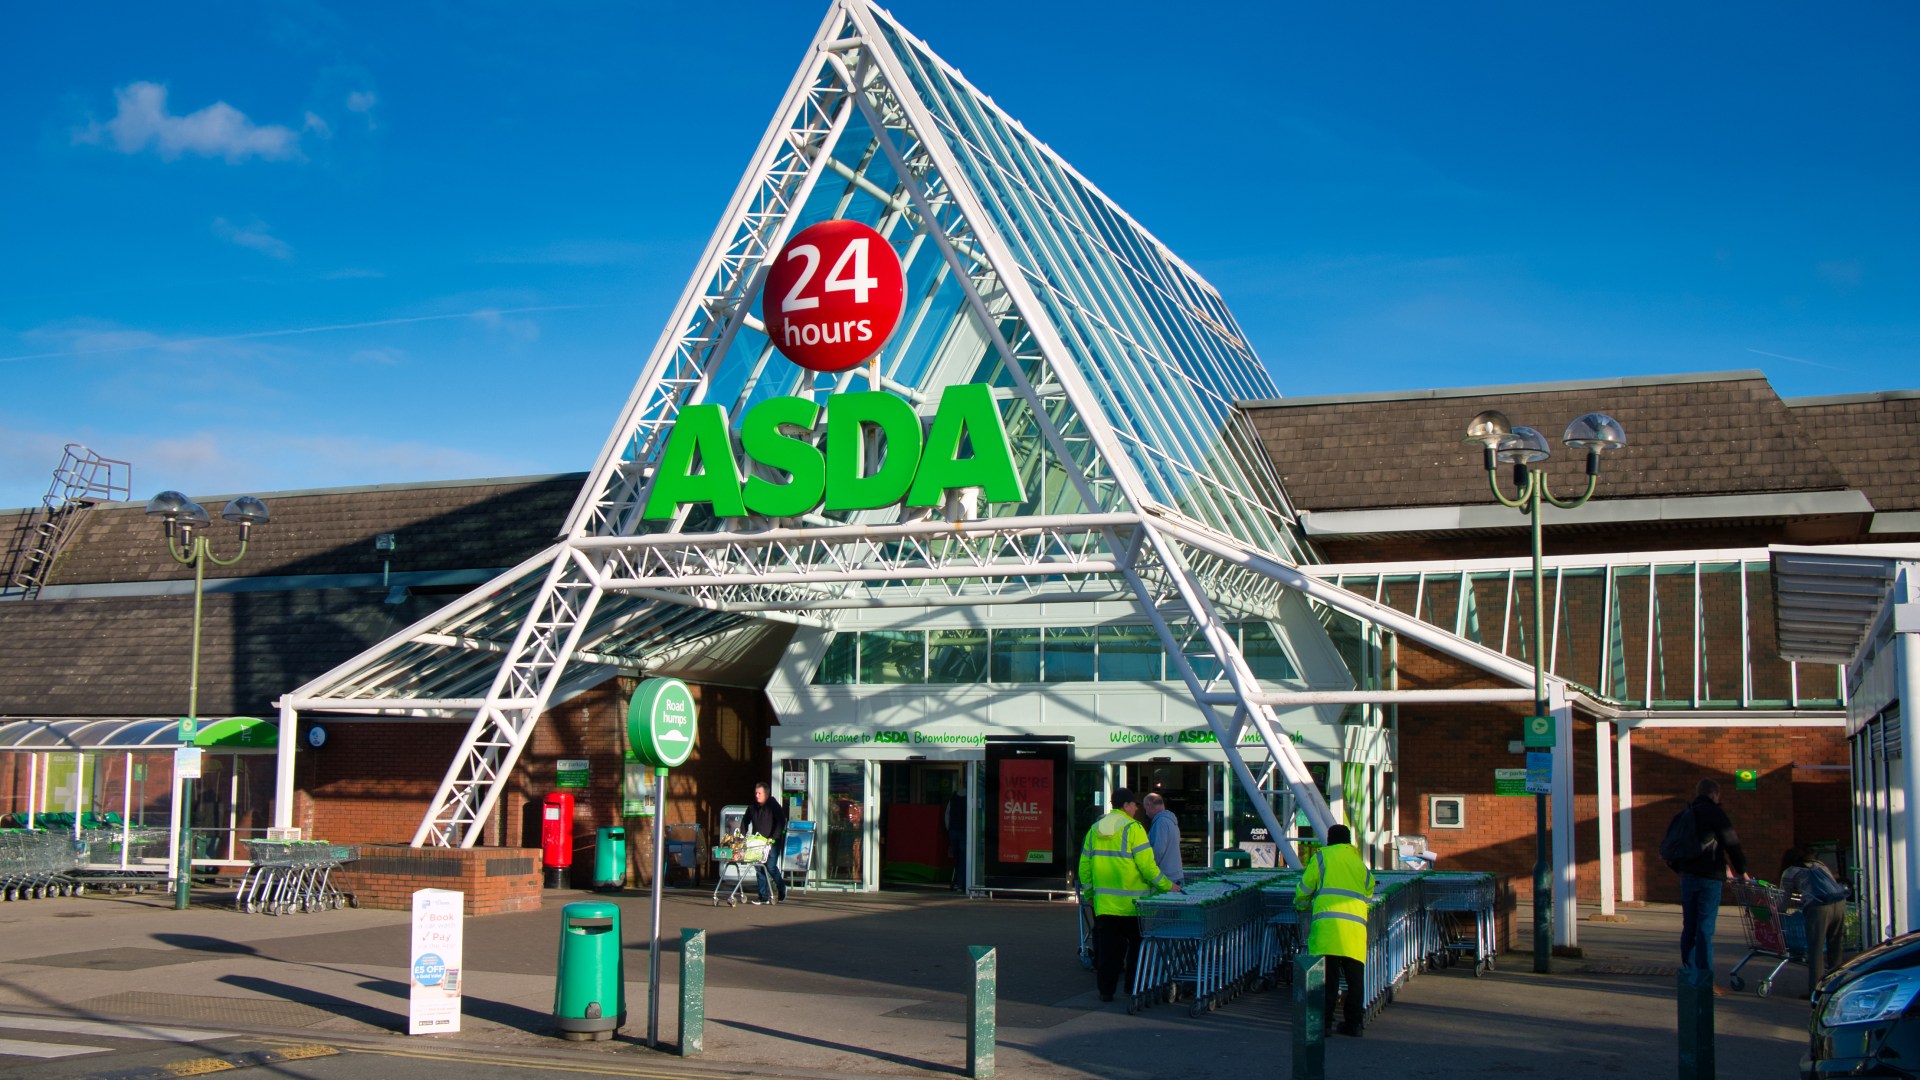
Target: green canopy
[[238, 733]]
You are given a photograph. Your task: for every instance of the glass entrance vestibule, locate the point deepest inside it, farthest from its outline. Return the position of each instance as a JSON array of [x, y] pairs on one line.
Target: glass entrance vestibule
[[926, 823]]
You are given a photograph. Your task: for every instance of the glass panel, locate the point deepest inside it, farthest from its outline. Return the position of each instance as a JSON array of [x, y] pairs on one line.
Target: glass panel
[[1069, 654], [1015, 656], [846, 802], [957, 656], [839, 666], [893, 656], [1265, 655], [1127, 653]]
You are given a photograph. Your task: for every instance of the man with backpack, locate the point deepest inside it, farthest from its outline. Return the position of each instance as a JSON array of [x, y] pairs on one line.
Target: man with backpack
[[1700, 844]]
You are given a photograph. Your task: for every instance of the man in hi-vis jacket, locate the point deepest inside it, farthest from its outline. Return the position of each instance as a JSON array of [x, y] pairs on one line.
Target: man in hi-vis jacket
[[1337, 888], [1116, 869]]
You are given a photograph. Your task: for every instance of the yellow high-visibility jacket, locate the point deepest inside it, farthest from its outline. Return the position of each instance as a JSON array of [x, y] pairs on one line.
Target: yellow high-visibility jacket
[[1117, 865], [1336, 888]]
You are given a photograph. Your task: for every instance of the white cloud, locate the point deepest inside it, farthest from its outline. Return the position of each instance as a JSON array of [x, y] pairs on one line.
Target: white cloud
[[361, 101], [513, 329], [255, 236], [218, 130], [318, 126], [385, 357]]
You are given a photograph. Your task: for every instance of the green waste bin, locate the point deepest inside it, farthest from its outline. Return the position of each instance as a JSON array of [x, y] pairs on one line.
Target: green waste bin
[[1231, 858], [590, 985], [610, 858]]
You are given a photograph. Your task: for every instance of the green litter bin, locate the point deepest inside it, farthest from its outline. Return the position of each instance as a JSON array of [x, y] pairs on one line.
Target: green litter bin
[[590, 985], [610, 858], [1232, 858]]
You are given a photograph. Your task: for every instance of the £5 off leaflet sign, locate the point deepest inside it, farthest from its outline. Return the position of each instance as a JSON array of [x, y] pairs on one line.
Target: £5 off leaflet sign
[[833, 295]]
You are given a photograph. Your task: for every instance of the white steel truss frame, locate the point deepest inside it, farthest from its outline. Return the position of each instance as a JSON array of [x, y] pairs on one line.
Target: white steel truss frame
[[1178, 570]]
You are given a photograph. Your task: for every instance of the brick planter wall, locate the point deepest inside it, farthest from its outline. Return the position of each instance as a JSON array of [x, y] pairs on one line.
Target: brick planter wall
[[494, 880]]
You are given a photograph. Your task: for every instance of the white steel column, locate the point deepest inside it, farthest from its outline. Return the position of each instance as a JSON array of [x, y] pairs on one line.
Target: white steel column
[[126, 808], [1625, 747], [1566, 909], [1907, 659], [283, 767], [1603, 810]]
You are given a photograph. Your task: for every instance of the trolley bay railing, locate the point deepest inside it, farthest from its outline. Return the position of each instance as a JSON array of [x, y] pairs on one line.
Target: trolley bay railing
[[1236, 930]]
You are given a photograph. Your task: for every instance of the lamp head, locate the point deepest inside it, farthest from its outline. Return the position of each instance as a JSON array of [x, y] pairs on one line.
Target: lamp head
[[1488, 429], [1595, 432], [246, 512], [1524, 446]]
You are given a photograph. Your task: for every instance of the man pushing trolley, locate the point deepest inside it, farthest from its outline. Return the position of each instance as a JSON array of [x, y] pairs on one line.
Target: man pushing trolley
[[1117, 868], [1337, 888]]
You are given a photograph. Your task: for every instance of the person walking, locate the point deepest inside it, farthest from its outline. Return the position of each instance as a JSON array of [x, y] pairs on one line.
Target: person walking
[[1163, 832], [1701, 846], [1336, 888], [766, 817], [1810, 885], [956, 822], [1116, 869]]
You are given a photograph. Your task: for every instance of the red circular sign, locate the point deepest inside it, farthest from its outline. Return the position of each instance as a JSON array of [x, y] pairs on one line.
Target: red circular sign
[[833, 295]]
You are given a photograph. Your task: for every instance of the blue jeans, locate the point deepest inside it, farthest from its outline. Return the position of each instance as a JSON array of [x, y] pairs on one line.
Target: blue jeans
[[1699, 910]]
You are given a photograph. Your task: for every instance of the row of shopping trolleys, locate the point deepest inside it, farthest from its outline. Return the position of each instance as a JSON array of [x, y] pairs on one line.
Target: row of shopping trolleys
[[293, 875], [1237, 930], [39, 863]]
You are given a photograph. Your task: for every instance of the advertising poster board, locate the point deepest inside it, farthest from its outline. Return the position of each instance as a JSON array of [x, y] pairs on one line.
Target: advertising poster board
[[1028, 807], [433, 999]]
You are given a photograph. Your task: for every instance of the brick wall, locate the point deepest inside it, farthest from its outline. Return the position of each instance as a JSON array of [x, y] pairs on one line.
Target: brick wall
[[493, 880], [372, 782], [1453, 750]]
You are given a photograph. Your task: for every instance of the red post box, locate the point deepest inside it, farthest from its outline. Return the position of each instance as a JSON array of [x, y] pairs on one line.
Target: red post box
[[556, 838]]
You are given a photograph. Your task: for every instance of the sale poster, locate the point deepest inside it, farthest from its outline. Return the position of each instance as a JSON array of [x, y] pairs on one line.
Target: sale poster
[[433, 1000], [1026, 811]]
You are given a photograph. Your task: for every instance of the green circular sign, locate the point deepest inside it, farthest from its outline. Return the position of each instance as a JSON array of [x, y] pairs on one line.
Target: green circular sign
[[660, 722]]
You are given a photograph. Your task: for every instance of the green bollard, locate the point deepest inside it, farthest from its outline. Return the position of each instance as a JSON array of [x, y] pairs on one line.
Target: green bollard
[[693, 991], [980, 1026], [1696, 1027], [1309, 1019]]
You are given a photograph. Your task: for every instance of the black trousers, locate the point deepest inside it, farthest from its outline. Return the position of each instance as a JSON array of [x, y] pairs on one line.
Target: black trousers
[[1116, 940], [1355, 997]]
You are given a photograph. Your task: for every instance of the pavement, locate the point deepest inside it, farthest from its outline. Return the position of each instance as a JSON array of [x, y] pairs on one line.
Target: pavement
[[860, 985]]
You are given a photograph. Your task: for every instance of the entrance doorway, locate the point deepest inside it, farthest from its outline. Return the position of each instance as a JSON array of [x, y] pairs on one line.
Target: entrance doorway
[[914, 849], [1187, 786]]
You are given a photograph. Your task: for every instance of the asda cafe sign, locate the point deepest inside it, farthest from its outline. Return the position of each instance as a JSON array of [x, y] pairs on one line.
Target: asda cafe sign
[[832, 297]]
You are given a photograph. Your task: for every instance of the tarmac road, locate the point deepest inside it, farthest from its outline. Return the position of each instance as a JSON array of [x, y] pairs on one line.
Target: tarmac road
[[829, 985]]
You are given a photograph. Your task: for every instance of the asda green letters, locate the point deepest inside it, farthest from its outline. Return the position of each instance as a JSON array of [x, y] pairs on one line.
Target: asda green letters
[[698, 464]]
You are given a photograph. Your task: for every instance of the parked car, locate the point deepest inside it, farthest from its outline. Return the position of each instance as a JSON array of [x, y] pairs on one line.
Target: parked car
[[1865, 1020]]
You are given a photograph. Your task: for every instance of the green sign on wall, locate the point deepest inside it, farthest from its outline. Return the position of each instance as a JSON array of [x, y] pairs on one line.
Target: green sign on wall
[[660, 722], [1510, 782], [1539, 732], [1746, 779]]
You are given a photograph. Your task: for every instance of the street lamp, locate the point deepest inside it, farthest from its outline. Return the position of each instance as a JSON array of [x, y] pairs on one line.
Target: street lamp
[[181, 516], [1526, 450]]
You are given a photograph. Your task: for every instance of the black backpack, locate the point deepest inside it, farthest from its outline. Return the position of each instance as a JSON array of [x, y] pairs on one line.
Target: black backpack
[[1683, 843]]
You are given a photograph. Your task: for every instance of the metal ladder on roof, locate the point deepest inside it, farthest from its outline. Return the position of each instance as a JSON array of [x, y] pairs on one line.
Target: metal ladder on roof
[[82, 479]]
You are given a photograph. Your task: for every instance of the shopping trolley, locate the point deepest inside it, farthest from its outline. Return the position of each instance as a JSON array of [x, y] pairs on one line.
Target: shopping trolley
[[1086, 926], [1459, 919], [37, 863], [1771, 932], [739, 860], [1205, 941], [293, 875]]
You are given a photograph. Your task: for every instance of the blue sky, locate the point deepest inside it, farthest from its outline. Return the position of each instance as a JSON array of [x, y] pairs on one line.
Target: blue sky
[[262, 246]]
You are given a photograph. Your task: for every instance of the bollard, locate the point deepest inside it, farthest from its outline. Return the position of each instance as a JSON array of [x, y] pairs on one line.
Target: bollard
[[980, 1026], [693, 991], [1696, 1026], [1309, 1019]]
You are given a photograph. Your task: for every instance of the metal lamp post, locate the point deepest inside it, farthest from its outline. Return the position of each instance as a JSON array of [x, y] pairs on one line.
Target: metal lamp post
[[181, 518], [1526, 449]]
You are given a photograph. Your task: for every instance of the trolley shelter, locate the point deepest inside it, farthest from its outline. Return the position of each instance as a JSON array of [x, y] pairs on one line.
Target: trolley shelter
[[106, 774], [936, 409], [1860, 606]]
